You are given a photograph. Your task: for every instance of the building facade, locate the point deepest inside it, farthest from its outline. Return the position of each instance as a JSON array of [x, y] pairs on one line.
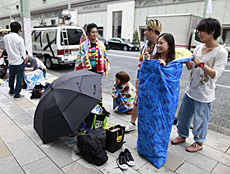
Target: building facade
[[115, 18]]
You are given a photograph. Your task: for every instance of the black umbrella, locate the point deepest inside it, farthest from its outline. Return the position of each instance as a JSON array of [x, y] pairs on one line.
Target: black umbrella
[[66, 103]]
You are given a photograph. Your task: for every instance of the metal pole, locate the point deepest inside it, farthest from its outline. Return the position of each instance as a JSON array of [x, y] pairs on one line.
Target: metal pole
[[69, 6], [205, 8]]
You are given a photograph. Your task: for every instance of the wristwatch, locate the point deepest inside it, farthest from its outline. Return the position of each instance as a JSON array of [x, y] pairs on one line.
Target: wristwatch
[[201, 64]]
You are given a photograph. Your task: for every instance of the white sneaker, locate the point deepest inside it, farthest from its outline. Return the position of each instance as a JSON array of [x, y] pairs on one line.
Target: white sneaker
[[130, 127]]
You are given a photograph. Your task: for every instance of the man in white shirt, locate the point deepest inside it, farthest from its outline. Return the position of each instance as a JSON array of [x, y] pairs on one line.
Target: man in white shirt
[[41, 64], [15, 48]]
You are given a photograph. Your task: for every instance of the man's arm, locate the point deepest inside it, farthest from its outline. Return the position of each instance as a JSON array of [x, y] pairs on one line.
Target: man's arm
[[22, 50]]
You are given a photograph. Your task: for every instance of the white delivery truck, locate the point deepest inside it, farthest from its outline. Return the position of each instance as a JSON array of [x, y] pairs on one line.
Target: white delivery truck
[[59, 44], [182, 27]]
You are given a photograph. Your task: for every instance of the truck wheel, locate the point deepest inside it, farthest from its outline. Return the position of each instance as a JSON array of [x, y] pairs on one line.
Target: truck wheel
[[49, 63], [125, 48]]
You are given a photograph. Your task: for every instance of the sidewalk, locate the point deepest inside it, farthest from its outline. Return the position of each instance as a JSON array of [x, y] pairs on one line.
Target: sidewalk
[[22, 151]]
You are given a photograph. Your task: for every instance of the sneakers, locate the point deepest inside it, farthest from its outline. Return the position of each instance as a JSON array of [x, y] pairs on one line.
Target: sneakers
[[194, 147], [130, 127], [121, 161], [125, 159], [129, 158], [178, 140]]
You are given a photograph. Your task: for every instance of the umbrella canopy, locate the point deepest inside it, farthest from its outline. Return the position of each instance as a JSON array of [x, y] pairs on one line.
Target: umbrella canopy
[[66, 103]]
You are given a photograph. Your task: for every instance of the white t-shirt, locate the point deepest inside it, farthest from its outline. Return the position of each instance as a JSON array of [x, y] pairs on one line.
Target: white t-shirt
[[15, 48], [40, 63], [201, 86]]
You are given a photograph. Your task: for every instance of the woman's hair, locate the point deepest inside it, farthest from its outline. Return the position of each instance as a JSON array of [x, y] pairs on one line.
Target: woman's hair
[[171, 43], [123, 76], [209, 25]]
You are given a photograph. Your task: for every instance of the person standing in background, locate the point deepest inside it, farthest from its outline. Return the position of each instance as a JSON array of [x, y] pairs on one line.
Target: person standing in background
[[93, 56], [15, 49]]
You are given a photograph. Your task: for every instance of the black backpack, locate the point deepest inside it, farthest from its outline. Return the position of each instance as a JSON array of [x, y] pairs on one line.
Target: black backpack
[[37, 91], [90, 149]]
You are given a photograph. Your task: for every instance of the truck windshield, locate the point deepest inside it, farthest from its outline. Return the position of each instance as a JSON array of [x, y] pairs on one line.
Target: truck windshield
[[74, 36]]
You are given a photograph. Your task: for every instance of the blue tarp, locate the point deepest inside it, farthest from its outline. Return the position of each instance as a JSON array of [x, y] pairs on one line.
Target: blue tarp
[[157, 103]]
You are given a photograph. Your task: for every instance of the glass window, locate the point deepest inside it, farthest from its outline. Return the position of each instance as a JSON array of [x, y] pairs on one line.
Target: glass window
[[117, 22], [74, 36]]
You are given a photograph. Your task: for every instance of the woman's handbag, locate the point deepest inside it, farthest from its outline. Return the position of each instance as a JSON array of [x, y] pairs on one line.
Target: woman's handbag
[[114, 138]]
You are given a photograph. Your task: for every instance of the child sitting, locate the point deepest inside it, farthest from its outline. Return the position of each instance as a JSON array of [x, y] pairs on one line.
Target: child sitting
[[123, 93]]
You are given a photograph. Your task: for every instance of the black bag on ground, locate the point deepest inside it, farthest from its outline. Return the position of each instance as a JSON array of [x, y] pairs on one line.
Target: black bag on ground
[[37, 91], [101, 135], [114, 138], [91, 150]]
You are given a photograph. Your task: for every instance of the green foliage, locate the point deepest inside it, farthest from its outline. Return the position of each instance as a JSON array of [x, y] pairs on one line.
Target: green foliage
[[136, 38]]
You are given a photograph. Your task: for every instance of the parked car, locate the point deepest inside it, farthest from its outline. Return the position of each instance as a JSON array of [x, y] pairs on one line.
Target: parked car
[[122, 44], [104, 41]]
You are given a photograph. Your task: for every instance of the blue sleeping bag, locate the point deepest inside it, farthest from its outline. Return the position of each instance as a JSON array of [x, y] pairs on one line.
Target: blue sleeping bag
[[157, 103]]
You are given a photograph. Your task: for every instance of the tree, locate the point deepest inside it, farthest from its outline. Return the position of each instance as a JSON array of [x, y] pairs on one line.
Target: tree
[[136, 38]]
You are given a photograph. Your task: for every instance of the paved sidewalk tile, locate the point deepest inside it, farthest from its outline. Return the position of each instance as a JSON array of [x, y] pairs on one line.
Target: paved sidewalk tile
[[77, 168], [60, 153], [216, 144], [4, 152], [150, 169], [23, 120], [130, 140], [1, 111], [31, 111], [13, 111], [188, 168], [25, 151], [9, 131], [173, 162], [218, 136], [196, 159], [221, 169], [228, 151], [112, 168], [9, 165], [217, 155], [24, 103], [42, 166], [30, 131]]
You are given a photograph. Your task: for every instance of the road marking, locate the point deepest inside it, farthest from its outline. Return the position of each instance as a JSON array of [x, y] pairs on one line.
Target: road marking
[[129, 57], [226, 70], [223, 86]]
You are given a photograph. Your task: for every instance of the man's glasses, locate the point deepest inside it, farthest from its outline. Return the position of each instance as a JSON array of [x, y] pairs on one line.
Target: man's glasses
[[148, 29]]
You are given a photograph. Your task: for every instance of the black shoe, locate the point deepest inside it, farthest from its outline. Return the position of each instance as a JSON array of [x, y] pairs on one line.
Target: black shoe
[[121, 161], [129, 158], [105, 112]]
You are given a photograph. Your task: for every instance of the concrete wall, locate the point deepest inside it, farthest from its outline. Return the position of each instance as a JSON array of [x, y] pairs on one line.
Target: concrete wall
[[98, 18], [128, 9]]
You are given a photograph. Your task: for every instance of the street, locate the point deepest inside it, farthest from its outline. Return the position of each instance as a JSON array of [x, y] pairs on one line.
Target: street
[[127, 61]]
